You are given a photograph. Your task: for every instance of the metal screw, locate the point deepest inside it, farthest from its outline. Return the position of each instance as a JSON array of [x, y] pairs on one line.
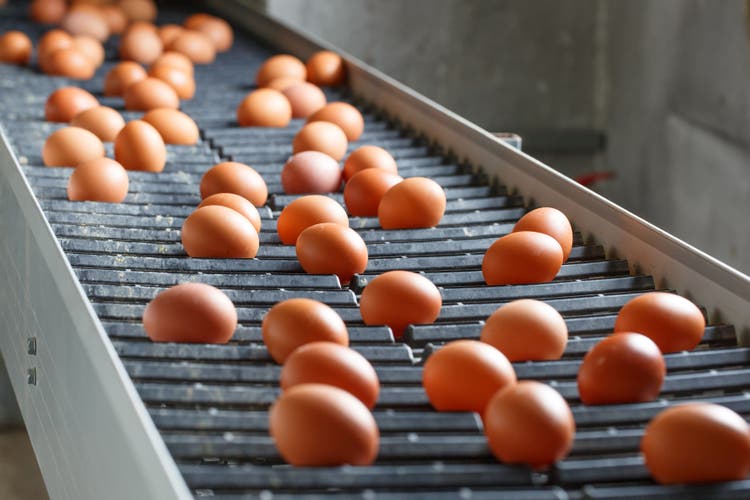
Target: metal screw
[[31, 376], [31, 345]]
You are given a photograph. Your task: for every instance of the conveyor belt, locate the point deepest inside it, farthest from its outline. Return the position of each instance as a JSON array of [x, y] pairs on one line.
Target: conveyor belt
[[210, 401]]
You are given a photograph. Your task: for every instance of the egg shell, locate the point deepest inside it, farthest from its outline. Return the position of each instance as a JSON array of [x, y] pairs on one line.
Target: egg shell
[[364, 190], [526, 330], [175, 60], [622, 368], [82, 19], [150, 93], [322, 425], [52, 40], [306, 211], [219, 232], [330, 248], [139, 10], [549, 221], [325, 137], [278, 66], [416, 202], [195, 45], [70, 63], [104, 122], [168, 32], [529, 422], [122, 76], [48, 11], [71, 146], [140, 45], [15, 48], [115, 18], [326, 68], [292, 323], [522, 257], [91, 48], [190, 312], [281, 83], [697, 443], [236, 203], [399, 299], [464, 375], [215, 28], [65, 103], [343, 114], [332, 364], [311, 172], [100, 179], [673, 322], [305, 99], [182, 83], [234, 177], [174, 126], [264, 108], [369, 156], [139, 146]]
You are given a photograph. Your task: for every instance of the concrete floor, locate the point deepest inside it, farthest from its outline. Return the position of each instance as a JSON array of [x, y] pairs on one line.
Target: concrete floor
[[20, 478]]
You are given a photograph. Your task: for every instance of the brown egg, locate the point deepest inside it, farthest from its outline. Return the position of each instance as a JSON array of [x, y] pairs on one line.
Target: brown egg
[[365, 189], [139, 146], [174, 60], [174, 126], [104, 122], [522, 257], [50, 42], [236, 203], [215, 28], [526, 330], [311, 172], [88, 20], [278, 66], [190, 312], [307, 211], [122, 76], [168, 32], [150, 93], [332, 364], [115, 17], [295, 322], [217, 231], [369, 157], [305, 99], [412, 203], [70, 63], [143, 26], [326, 68], [91, 48], [71, 146], [182, 83], [529, 423], [399, 299], [322, 425], [697, 443], [264, 108], [549, 221], [48, 11], [673, 322], [321, 136], [344, 115], [282, 83], [237, 178], [101, 179], [195, 45], [139, 10], [66, 102], [330, 248], [141, 45], [15, 48]]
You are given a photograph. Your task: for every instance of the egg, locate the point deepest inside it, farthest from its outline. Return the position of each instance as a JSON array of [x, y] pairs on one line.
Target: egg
[[326, 68], [100, 179], [673, 322], [139, 10], [264, 108], [195, 45], [182, 83], [104, 122], [139, 146], [292, 323], [281, 83], [236, 203], [364, 190], [306, 211], [322, 425], [65, 103], [70, 63], [305, 99], [399, 299], [150, 93], [464, 375], [215, 28], [343, 114], [115, 18], [71, 146], [549, 221], [216, 231], [122, 76], [278, 66], [412, 203], [321, 136], [175, 60], [311, 172], [15, 48], [168, 32], [697, 443], [234, 177], [50, 42], [622, 368], [48, 11], [91, 48], [141, 45], [529, 423], [332, 364], [190, 312], [330, 248], [522, 257], [526, 330], [174, 126], [366, 157], [82, 19]]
